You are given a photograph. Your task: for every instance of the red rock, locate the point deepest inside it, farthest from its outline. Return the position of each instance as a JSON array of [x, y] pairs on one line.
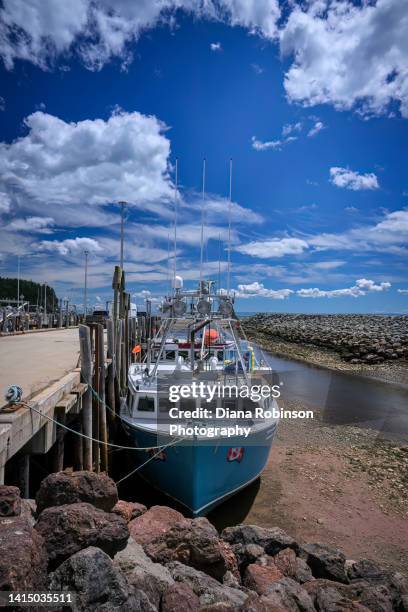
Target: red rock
[[70, 487], [23, 559], [129, 510], [157, 520], [178, 597], [259, 578], [10, 501], [194, 542], [70, 528], [290, 565]]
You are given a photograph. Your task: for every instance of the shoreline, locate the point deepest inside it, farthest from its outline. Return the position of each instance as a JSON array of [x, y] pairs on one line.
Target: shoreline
[[395, 373]]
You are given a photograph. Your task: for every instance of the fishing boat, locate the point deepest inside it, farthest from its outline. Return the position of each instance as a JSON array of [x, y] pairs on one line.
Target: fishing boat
[[198, 341]]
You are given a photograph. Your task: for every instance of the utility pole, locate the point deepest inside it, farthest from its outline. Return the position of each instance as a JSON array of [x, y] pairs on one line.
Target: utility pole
[[122, 231], [45, 298], [18, 281], [86, 283]]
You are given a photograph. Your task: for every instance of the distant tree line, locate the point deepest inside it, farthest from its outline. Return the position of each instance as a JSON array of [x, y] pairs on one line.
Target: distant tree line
[[32, 292]]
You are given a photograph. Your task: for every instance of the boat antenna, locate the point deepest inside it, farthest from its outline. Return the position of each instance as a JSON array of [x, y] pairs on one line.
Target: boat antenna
[[202, 228], [229, 229], [175, 221], [168, 264], [219, 263]]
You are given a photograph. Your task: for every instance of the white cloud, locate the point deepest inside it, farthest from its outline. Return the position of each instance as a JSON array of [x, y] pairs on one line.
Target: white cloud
[[361, 287], [258, 290], [71, 246], [216, 46], [218, 208], [403, 291], [390, 235], [347, 54], [103, 29], [348, 179], [40, 225], [87, 163], [260, 145], [318, 127], [274, 247]]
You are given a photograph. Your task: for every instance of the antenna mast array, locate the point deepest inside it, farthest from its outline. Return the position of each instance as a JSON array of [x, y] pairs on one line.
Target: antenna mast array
[[175, 222]]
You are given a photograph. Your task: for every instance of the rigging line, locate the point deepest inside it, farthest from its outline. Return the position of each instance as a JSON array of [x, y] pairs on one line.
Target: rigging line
[[202, 227], [78, 433], [229, 230], [219, 264], [175, 221], [139, 467]]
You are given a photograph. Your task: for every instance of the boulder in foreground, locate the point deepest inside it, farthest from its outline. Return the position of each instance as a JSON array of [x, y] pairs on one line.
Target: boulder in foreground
[[23, 559], [157, 520], [72, 527], [10, 501], [70, 487], [97, 584]]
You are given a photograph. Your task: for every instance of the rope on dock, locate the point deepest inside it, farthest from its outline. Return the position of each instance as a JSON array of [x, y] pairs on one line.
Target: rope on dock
[[78, 433]]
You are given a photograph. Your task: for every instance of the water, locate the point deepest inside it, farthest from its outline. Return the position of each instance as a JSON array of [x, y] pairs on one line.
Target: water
[[345, 399]]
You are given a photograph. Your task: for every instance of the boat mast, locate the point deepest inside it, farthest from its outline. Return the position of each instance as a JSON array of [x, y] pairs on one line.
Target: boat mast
[[175, 221], [229, 230], [202, 229]]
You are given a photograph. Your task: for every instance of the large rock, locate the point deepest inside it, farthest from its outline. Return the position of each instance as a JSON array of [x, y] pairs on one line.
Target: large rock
[[97, 584], [141, 573], [10, 501], [129, 510], [29, 510], [258, 578], [272, 540], [325, 562], [332, 596], [247, 553], [288, 595], [70, 528], [157, 520], [289, 564], [207, 589], [23, 560], [69, 487], [179, 597], [194, 542]]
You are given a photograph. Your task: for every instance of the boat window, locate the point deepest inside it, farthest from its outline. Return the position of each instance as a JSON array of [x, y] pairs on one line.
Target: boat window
[[220, 355], [183, 354], [146, 404], [170, 355]]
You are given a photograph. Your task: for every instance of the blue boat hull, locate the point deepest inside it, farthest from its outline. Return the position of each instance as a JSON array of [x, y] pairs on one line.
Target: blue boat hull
[[202, 475]]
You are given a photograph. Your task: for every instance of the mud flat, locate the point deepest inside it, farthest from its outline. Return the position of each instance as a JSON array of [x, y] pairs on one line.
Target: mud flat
[[367, 345]]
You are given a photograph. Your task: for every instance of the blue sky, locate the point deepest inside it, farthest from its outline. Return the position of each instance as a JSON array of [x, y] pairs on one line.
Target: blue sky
[[99, 100]]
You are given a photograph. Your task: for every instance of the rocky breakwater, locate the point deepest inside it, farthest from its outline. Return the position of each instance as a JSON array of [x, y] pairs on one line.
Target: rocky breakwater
[[116, 555], [368, 339]]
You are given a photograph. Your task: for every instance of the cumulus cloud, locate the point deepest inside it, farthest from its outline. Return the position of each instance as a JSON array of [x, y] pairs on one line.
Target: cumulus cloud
[[348, 54], [348, 179], [361, 287], [403, 291], [92, 162], [274, 247], [71, 246], [216, 46], [100, 30], [5, 202], [258, 290]]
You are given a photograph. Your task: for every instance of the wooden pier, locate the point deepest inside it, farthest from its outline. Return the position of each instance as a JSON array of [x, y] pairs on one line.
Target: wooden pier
[[74, 377]]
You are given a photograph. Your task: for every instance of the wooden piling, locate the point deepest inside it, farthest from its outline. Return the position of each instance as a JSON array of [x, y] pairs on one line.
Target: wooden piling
[[111, 367], [86, 374], [24, 475], [103, 430], [95, 399], [78, 447], [59, 448]]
